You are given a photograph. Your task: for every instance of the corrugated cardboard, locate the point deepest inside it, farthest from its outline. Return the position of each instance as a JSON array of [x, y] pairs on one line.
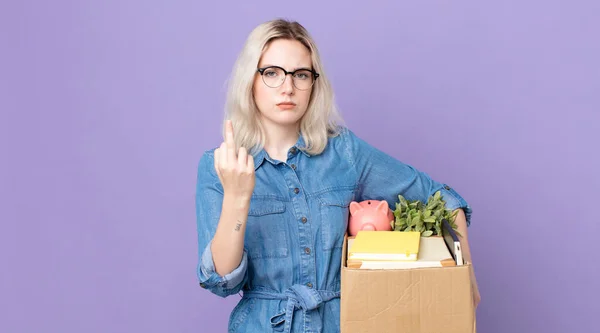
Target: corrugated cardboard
[[420, 300]]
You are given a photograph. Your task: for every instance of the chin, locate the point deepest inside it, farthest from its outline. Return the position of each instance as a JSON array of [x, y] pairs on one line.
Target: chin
[[286, 122], [285, 118]]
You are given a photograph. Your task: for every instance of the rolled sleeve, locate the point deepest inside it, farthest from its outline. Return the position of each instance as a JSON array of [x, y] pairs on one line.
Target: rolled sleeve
[[220, 285], [209, 201], [383, 177], [455, 201]]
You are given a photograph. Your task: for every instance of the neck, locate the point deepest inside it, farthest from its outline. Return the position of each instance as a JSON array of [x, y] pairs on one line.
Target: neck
[[279, 139]]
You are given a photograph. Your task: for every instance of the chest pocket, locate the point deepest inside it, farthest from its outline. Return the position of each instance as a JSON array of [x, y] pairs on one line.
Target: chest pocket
[[266, 235], [334, 213]]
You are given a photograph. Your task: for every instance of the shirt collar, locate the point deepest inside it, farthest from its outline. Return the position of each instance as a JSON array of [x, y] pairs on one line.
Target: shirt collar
[[261, 155], [300, 144]]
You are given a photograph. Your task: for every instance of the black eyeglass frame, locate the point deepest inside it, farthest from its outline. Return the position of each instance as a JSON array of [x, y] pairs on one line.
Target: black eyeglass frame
[[263, 69]]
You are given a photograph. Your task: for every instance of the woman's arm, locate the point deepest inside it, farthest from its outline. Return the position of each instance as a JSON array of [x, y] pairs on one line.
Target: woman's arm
[[227, 245], [224, 270], [461, 227], [383, 177]]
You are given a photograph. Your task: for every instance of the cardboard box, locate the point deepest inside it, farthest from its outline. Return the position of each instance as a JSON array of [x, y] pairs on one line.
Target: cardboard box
[[420, 300]]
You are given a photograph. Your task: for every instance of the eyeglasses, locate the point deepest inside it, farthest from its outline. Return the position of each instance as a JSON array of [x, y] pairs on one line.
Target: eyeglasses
[[274, 76]]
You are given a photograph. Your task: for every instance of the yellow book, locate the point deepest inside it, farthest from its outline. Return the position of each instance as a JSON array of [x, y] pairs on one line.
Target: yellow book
[[433, 252], [385, 245]]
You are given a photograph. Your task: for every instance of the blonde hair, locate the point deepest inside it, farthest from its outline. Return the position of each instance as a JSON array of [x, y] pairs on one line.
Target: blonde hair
[[321, 120]]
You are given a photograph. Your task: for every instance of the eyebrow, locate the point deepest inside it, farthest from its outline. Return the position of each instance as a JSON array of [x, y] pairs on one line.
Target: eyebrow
[[293, 69]]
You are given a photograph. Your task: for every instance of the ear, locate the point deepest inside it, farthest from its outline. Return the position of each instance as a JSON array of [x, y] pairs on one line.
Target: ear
[[382, 207], [354, 207]]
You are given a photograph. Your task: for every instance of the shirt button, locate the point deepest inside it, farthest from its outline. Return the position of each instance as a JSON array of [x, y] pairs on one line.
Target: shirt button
[[296, 190], [447, 187], [309, 285], [293, 150], [294, 166], [307, 250], [304, 219], [202, 285]]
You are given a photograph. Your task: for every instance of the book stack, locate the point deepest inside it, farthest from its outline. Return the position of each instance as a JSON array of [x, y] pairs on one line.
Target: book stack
[[401, 250]]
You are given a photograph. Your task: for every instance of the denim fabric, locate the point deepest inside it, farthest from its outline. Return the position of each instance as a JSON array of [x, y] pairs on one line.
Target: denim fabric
[[290, 271]]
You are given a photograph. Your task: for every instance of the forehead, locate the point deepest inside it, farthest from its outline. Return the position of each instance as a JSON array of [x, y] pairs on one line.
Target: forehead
[[289, 54]]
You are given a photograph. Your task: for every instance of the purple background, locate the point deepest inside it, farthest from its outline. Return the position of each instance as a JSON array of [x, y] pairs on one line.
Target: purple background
[[107, 107]]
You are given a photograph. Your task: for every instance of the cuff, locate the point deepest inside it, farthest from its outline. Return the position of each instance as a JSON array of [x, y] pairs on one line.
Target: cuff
[[210, 279], [454, 201]]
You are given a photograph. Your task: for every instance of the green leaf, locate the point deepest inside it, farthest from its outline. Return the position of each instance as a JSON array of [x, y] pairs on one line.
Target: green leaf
[[416, 215], [453, 216], [427, 233], [420, 225]]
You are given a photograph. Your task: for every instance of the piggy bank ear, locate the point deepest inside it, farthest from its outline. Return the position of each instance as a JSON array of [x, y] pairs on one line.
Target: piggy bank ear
[[383, 207], [354, 207]]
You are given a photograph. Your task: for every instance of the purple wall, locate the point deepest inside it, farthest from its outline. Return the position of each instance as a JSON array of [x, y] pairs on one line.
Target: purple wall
[[106, 109]]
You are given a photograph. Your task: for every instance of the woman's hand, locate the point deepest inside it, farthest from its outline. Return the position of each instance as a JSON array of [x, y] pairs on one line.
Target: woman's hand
[[235, 171]]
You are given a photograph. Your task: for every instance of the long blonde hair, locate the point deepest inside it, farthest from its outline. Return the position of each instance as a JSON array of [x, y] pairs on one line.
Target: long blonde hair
[[321, 120]]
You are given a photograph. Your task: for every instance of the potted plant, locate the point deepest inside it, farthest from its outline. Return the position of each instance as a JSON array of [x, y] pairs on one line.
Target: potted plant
[[426, 218]]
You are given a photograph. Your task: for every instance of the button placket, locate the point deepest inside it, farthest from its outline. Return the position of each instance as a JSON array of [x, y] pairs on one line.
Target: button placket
[[301, 210]]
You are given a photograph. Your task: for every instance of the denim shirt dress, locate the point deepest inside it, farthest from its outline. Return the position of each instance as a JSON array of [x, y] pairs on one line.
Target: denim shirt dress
[[289, 274]]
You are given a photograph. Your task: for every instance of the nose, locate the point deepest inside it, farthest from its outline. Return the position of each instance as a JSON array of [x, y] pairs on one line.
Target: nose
[[288, 85]]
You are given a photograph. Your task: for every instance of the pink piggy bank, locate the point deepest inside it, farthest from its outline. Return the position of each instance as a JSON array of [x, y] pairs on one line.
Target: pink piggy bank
[[369, 215]]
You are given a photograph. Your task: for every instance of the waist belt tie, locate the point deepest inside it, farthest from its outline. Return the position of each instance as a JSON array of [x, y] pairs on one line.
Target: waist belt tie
[[298, 296]]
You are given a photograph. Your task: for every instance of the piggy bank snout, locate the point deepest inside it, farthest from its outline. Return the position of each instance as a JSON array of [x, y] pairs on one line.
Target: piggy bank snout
[[368, 226]]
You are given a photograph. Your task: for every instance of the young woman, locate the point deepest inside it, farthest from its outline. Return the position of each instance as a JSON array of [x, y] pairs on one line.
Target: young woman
[[272, 201]]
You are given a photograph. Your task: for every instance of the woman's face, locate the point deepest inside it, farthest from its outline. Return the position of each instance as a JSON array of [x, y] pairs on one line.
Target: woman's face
[[283, 104]]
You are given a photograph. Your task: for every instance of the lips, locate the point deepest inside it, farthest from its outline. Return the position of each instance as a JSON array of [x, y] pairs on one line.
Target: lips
[[286, 105]]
